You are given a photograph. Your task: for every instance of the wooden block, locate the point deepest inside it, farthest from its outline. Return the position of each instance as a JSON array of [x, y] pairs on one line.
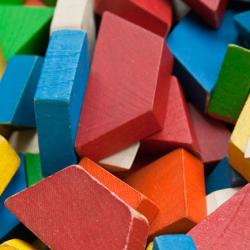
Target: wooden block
[[83, 208], [212, 12], [7, 220], [180, 9], [178, 173], [156, 17], [228, 227], [223, 176], [238, 143], [128, 194], [212, 137], [134, 108], [25, 141], [76, 15], [34, 3], [59, 97], [178, 129], [242, 22], [7, 248], [33, 169], [2, 63], [232, 86], [17, 90], [18, 245], [150, 246], [217, 198], [122, 160], [176, 242], [9, 163], [192, 44], [24, 30]]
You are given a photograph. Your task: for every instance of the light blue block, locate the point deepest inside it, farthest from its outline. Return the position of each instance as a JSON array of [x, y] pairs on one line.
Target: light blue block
[[242, 22], [199, 52], [59, 98], [223, 176], [7, 220], [17, 90], [174, 242]]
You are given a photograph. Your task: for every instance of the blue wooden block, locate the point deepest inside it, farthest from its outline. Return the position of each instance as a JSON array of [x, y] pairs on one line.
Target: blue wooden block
[[174, 242], [242, 22], [7, 220], [199, 52], [59, 98], [223, 176], [17, 90]]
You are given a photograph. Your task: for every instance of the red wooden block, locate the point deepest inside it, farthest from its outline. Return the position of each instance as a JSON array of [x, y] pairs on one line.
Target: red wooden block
[[212, 137], [72, 210], [228, 227], [34, 3], [127, 90], [211, 11], [178, 129], [155, 16]]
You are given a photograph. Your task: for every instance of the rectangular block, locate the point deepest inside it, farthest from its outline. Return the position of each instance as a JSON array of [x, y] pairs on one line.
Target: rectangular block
[[122, 103], [59, 98]]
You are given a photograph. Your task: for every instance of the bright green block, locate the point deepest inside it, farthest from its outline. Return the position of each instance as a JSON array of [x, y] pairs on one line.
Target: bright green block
[[33, 169], [24, 30], [51, 2], [233, 84], [11, 1]]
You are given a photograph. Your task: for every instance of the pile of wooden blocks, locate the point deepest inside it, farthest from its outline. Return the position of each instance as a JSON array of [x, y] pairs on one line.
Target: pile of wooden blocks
[[124, 124]]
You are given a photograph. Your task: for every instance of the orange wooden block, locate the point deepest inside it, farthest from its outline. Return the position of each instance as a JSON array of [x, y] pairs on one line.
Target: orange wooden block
[[176, 184], [34, 3], [128, 194]]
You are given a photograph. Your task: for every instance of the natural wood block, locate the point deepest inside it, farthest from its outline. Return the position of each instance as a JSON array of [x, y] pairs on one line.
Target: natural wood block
[[17, 90], [25, 141], [217, 198], [121, 161], [192, 44], [34, 3], [24, 30], [233, 85], [18, 245], [178, 129], [238, 143], [83, 208], [228, 227], [155, 16], [59, 98], [9, 163], [128, 108], [128, 194], [212, 12], [175, 183], [75, 15], [212, 137]]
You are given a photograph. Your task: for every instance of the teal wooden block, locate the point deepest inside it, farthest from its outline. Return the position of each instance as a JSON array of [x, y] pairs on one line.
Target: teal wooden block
[[242, 22]]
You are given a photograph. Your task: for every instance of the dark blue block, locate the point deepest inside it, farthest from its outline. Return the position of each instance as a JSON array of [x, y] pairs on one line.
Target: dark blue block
[[59, 98]]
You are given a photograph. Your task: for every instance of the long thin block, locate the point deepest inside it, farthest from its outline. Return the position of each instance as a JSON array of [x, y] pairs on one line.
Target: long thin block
[[75, 15], [199, 52], [17, 90], [132, 197], [175, 183], [238, 143], [82, 207], [9, 163], [59, 98], [228, 227], [178, 129], [233, 85], [212, 137], [155, 16], [123, 104], [18, 245]]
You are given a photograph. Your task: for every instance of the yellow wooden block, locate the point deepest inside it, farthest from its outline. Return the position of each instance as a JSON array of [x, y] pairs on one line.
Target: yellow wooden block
[[238, 143], [9, 163], [150, 246], [2, 63], [18, 245], [2, 247]]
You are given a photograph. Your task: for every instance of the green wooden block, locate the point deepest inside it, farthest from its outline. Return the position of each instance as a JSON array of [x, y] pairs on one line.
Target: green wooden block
[[24, 30], [50, 2], [11, 1], [33, 169], [232, 87]]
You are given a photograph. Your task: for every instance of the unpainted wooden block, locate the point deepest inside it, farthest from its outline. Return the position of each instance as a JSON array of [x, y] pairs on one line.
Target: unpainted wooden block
[[18, 245], [82, 207], [119, 111], [176, 184]]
